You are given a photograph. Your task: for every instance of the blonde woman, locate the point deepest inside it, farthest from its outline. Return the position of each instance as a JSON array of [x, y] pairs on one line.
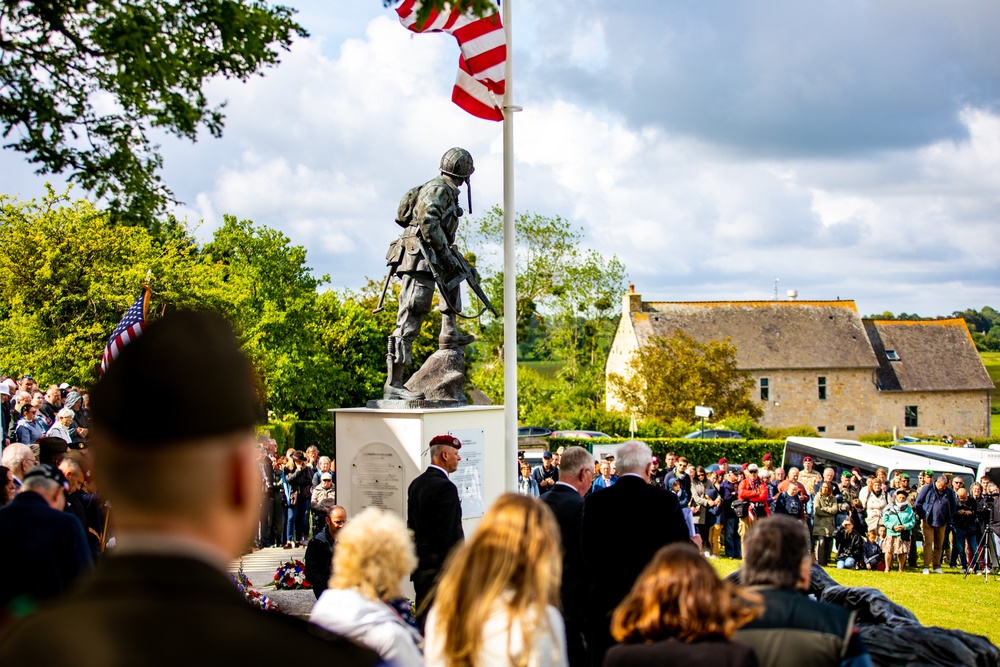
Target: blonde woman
[[374, 552], [494, 605]]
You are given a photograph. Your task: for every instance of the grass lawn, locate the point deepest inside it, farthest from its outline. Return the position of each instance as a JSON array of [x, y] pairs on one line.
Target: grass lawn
[[995, 426], [946, 600]]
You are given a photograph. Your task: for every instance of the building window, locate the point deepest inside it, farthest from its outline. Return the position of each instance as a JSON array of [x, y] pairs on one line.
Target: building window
[[911, 416], [850, 427], [765, 390], [821, 429], [821, 384], [891, 355]]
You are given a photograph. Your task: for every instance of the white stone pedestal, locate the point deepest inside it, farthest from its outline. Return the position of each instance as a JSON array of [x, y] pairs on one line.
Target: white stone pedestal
[[380, 451]]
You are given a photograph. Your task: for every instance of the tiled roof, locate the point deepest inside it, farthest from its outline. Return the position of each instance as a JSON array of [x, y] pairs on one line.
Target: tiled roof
[[933, 355], [767, 334]]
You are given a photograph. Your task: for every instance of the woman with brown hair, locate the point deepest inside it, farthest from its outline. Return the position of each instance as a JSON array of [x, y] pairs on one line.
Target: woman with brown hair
[[494, 605], [680, 612]]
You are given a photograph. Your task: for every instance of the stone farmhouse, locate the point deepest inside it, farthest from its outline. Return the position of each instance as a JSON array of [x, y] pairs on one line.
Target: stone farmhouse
[[819, 364]]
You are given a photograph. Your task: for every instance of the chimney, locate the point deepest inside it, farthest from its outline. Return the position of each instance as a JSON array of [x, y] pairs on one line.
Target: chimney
[[632, 303]]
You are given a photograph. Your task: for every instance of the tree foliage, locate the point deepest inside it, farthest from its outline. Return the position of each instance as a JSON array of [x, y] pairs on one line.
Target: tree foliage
[[560, 286], [67, 275], [670, 376], [85, 81]]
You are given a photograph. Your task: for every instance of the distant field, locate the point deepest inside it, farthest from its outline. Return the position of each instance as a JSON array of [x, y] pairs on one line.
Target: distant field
[[946, 600], [547, 369], [992, 362]]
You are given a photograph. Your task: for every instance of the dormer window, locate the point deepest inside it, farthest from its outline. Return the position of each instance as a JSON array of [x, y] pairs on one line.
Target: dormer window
[[891, 355]]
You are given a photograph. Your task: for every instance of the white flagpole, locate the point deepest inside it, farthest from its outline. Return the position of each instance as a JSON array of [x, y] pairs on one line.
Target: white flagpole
[[509, 265]]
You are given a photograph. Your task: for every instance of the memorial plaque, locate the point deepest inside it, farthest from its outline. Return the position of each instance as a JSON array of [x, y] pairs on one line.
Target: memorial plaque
[[377, 478], [469, 476]]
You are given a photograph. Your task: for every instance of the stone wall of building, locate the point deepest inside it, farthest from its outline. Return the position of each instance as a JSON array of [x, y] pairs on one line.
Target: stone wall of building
[[624, 344], [793, 399], [959, 413]]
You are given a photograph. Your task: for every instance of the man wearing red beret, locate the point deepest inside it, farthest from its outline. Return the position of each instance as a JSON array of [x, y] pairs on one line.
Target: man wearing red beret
[[434, 514]]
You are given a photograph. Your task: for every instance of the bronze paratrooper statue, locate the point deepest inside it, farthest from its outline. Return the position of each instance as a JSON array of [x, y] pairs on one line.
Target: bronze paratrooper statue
[[425, 258]]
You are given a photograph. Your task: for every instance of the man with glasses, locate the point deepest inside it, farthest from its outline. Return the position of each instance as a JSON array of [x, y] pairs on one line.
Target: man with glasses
[[29, 429]]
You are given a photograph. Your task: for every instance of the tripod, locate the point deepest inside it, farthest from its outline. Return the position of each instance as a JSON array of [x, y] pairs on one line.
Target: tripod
[[987, 539]]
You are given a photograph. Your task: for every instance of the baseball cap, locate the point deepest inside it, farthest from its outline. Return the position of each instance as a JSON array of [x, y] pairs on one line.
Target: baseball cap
[[326, 476], [546, 455], [752, 467]]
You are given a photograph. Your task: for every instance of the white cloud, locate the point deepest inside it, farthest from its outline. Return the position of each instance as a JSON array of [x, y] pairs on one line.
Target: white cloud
[[324, 146]]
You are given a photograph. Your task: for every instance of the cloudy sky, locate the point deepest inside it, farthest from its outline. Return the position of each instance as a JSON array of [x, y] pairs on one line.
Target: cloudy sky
[[850, 149]]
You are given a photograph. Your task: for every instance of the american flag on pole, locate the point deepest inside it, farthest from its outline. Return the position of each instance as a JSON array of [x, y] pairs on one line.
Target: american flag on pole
[[483, 43], [127, 330]]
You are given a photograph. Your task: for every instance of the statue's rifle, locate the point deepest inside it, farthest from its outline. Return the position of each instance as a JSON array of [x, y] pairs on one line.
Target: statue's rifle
[[385, 288]]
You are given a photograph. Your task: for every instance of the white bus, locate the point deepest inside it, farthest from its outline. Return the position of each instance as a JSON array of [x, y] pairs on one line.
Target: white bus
[[982, 461], [846, 454]]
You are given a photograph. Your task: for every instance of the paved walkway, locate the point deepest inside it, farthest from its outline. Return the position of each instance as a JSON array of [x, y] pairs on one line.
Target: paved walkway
[[259, 568]]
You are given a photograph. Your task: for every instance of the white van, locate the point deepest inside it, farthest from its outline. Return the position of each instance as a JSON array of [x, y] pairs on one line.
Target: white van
[[982, 461], [846, 454]]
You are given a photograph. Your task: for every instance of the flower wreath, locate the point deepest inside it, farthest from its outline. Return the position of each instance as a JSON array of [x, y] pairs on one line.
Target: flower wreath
[[291, 576]]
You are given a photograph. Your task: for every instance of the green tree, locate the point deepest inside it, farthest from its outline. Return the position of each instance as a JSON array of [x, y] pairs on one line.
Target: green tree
[[670, 376], [273, 306], [67, 275], [84, 83], [560, 286]]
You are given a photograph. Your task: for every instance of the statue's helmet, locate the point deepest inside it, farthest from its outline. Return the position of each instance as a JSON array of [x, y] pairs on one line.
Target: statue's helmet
[[457, 162]]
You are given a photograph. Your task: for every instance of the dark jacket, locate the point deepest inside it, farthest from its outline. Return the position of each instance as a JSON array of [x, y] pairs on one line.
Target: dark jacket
[[623, 527], [299, 480], [936, 507], [795, 631], [872, 554], [790, 505], [44, 551], [852, 545], [715, 652], [161, 611], [965, 514], [319, 560], [434, 514], [567, 504]]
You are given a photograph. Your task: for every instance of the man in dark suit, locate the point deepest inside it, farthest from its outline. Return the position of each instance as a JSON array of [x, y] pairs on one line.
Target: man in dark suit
[[434, 514], [38, 535], [576, 474], [623, 527], [186, 492], [319, 551]]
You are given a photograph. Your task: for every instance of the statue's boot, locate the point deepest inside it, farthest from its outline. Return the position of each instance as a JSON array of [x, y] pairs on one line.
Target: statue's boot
[[450, 338], [394, 390]]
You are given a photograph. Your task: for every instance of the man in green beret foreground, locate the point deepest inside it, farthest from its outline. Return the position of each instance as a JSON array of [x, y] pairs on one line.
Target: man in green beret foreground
[[185, 487]]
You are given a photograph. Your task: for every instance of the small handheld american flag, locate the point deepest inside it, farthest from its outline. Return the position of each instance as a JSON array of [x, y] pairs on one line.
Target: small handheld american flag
[[130, 327]]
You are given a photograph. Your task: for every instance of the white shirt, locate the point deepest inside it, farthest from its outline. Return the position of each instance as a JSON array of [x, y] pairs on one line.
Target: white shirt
[[548, 645]]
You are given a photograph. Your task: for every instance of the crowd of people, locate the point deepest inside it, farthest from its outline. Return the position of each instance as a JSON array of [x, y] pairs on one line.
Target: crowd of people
[[574, 576], [856, 521]]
